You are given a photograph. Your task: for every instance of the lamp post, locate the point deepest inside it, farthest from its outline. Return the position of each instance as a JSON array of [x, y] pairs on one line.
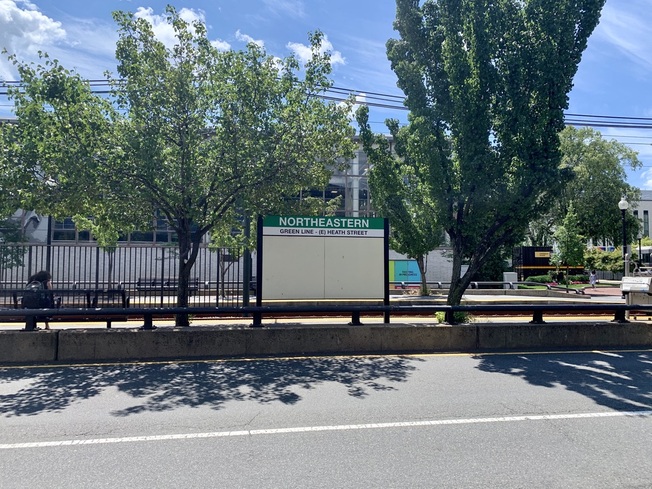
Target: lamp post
[[640, 257], [623, 205]]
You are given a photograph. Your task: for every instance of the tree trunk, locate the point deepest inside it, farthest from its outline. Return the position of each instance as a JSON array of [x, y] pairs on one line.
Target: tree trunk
[[111, 259], [188, 250], [456, 289], [459, 282], [422, 270]]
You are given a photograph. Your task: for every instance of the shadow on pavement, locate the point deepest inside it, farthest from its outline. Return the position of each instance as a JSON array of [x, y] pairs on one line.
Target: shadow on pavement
[[618, 380], [163, 387]]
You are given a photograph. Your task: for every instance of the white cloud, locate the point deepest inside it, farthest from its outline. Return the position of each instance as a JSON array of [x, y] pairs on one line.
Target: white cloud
[[304, 53], [248, 39], [221, 45], [23, 31], [646, 180], [163, 31], [292, 8], [360, 99], [623, 26], [368, 61], [92, 37]]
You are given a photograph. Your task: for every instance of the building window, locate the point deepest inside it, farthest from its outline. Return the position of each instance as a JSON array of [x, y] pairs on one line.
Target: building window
[[161, 233], [646, 223], [66, 231]]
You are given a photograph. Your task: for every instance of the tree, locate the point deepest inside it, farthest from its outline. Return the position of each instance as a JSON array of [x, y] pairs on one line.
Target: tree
[[11, 233], [610, 261], [494, 267], [400, 191], [570, 245], [199, 135], [486, 85], [599, 182]]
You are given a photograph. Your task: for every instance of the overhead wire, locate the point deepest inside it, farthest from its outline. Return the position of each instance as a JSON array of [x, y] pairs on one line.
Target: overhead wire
[[390, 101]]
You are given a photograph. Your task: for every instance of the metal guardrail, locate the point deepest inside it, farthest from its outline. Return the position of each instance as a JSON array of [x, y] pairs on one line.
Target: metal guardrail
[[511, 285], [537, 311]]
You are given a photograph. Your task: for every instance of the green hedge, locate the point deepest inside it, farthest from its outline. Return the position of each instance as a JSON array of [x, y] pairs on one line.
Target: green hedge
[[546, 279], [540, 279]]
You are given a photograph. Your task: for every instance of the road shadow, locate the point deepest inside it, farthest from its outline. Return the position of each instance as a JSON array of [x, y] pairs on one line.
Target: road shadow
[[621, 381], [164, 387]]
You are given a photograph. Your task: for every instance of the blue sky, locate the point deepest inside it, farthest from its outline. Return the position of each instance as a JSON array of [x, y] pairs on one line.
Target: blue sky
[[614, 77]]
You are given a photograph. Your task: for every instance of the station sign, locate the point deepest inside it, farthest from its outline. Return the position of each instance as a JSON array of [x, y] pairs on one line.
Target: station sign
[[324, 226]]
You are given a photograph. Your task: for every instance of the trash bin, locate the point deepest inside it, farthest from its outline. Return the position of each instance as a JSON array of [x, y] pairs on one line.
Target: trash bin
[[637, 290], [509, 278]]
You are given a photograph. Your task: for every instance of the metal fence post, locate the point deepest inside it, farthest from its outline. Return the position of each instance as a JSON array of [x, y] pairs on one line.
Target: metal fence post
[[30, 323], [148, 321]]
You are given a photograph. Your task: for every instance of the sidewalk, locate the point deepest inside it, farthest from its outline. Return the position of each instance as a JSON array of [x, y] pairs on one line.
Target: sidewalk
[[604, 291]]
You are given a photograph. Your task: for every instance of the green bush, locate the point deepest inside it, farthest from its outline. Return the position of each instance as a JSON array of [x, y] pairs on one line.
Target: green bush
[[540, 279], [579, 278], [546, 279], [460, 317]]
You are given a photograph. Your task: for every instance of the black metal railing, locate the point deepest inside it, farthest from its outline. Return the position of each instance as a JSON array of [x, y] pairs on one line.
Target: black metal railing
[[257, 314], [148, 274]]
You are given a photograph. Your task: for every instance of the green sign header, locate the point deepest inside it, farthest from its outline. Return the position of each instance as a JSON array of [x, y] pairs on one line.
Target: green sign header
[[324, 222], [324, 226]]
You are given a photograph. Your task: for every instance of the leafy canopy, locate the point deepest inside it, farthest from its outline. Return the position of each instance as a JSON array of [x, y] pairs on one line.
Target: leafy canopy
[[198, 135], [486, 84], [402, 191]]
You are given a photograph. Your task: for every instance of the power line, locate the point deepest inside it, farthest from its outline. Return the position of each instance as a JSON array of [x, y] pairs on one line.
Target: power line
[[611, 117], [395, 102], [625, 136]]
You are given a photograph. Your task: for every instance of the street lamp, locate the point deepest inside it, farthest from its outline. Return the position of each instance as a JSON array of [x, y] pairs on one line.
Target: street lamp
[[640, 257], [623, 206]]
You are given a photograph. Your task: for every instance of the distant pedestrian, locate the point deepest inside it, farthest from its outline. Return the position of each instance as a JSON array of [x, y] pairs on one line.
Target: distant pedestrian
[[593, 279], [37, 295]]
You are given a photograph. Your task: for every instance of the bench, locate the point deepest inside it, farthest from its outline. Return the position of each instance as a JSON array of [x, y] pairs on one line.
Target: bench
[[165, 285], [101, 298], [109, 298], [75, 298], [643, 271]]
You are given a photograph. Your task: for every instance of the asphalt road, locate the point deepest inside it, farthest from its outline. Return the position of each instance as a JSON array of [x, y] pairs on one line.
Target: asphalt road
[[554, 420]]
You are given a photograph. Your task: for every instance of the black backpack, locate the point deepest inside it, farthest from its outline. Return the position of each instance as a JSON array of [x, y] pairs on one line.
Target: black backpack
[[36, 296]]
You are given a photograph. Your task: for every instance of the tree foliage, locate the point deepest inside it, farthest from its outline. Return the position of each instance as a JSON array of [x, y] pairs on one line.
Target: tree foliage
[[599, 182], [11, 233], [610, 261], [199, 135], [570, 244], [401, 191], [486, 84]]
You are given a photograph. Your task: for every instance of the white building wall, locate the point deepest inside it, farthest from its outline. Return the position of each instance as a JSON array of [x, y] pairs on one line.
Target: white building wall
[[644, 210]]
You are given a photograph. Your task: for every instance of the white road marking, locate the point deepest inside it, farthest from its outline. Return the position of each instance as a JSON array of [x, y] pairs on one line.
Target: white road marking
[[312, 429]]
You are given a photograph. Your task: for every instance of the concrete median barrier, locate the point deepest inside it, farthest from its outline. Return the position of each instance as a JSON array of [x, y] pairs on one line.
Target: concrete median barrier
[[165, 343], [394, 338], [209, 342], [102, 345], [28, 346], [563, 335]]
